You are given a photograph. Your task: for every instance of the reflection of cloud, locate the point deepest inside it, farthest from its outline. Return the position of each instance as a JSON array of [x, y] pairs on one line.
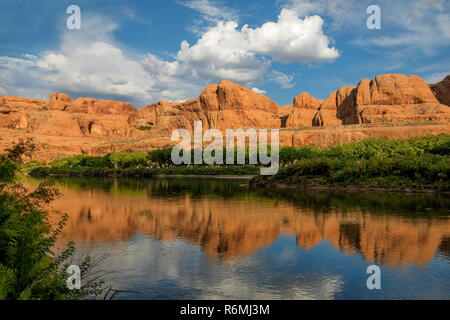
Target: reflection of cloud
[[181, 270], [309, 287], [231, 229], [172, 253]]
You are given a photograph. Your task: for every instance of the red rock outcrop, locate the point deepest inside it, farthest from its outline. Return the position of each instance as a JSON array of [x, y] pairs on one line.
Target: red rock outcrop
[[13, 119], [300, 118], [306, 101], [59, 101], [226, 105], [309, 111], [19, 102], [383, 100], [394, 98], [330, 102], [62, 116], [62, 102], [394, 89], [285, 111], [325, 117]]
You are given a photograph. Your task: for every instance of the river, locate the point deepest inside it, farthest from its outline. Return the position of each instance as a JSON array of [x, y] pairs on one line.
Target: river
[[197, 238]]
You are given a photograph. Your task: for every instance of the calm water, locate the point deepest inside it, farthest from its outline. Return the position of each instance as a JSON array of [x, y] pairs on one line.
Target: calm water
[[180, 238]]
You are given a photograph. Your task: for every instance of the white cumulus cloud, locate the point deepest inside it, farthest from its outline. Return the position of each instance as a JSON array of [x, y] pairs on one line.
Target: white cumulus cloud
[[91, 63]]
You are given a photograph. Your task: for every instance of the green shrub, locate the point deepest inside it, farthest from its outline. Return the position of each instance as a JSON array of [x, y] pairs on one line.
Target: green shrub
[[28, 267], [144, 128], [420, 160]]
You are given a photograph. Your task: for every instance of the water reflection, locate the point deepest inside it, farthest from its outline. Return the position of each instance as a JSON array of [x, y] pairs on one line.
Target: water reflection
[[204, 239], [227, 219]]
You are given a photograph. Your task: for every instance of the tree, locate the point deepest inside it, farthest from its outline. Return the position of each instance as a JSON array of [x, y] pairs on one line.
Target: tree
[[28, 267]]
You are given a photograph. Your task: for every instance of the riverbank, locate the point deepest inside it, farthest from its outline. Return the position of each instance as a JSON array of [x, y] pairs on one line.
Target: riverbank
[[414, 165], [408, 165], [245, 171], [349, 188]]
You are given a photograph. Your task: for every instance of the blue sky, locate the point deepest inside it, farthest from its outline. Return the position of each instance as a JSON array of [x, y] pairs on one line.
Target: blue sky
[[146, 51]]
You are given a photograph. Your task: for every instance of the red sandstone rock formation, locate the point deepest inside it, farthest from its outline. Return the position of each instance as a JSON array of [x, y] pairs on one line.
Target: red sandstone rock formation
[[62, 102], [62, 116], [306, 101], [223, 106], [394, 98], [384, 99], [227, 105]]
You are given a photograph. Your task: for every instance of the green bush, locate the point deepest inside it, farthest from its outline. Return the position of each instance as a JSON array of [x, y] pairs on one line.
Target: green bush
[[28, 267], [421, 160], [121, 160], [415, 163], [144, 128]]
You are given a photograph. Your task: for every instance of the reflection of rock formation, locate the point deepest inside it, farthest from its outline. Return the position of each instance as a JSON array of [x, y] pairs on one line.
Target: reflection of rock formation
[[444, 247], [231, 227]]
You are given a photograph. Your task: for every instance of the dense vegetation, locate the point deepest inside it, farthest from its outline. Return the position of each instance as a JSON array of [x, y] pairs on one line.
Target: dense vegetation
[[28, 267], [137, 164], [417, 163]]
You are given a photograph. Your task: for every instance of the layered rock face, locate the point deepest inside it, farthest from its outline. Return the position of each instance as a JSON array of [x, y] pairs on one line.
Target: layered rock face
[[62, 102], [226, 105], [384, 99], [394, 98], [305, 108], [62, 116]]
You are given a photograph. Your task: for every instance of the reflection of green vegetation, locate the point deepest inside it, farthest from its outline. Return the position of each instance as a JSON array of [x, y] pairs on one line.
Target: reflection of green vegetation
[[368, 202], [317, 200], [415, 163], [161, 187], [146, 213], [28, 268]]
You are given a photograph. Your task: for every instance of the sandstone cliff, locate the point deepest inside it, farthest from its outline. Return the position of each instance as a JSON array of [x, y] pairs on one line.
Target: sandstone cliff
[[394, 98], [384, 100], [223, 106], [61, 116]]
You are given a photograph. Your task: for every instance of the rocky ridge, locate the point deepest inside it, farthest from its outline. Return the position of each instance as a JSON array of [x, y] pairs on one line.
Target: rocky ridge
[[386, 99]]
